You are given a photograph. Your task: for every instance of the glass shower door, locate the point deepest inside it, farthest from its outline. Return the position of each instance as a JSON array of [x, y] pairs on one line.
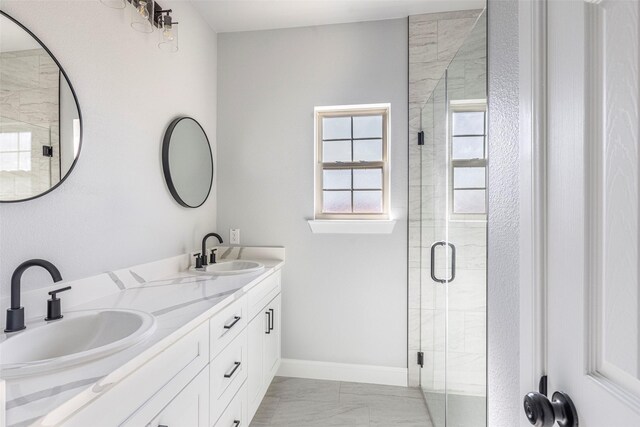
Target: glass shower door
[[435, 254], [453, 239]]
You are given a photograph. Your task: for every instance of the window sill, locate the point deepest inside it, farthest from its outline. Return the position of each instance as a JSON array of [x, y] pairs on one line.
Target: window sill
[[367, 226]]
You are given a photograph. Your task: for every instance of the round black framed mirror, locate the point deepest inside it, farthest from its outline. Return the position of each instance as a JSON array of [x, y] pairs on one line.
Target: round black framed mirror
[[40, 120], [187, 162]]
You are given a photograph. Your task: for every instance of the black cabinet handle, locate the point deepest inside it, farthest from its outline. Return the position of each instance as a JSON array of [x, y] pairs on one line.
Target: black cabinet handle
[[271, 319], [236, 423], [236, 319], [268, 313], [233, 371]]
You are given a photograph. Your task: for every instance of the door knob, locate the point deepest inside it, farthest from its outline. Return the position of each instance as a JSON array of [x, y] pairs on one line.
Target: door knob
[[542, 412]]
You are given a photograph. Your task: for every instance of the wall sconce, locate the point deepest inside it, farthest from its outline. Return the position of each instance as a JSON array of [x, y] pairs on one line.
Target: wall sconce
[[142, 15], [146, 16], [169, 30]]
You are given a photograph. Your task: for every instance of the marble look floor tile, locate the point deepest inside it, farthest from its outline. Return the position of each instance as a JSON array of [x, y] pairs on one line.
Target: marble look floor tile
[[286, 388], [357, 405], [266, 411], [397, 411], [302, 413], [382, 390]]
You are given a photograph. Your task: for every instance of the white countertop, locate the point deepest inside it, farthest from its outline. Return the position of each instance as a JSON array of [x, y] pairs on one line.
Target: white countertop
[[180, 302]]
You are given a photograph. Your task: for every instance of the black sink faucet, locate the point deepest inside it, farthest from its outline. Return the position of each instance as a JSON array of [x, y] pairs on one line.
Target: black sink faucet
[[15, 314], [203, 254]]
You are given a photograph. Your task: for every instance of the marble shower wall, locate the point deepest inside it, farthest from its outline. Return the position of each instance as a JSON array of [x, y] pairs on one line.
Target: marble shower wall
[[29, 81], [434, 40]]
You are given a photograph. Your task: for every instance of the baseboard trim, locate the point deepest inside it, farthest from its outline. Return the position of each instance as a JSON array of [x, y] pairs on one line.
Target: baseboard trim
[[369, 374]]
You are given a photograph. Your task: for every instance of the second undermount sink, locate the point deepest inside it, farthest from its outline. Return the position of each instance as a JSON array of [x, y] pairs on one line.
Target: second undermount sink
[[79, 337], [234, 267]]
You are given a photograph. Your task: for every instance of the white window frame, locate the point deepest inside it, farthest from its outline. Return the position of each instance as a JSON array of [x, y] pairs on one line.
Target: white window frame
[[351, 111], [467, 105]]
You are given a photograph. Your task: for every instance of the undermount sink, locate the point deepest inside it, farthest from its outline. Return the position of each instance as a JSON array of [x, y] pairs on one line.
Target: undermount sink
[[224, 268], [79, 337]]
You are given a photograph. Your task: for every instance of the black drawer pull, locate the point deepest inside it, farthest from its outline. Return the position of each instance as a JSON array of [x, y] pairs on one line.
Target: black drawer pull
[[236, 319], [271, 319], [268, 313], [236, 423], [233, 371]]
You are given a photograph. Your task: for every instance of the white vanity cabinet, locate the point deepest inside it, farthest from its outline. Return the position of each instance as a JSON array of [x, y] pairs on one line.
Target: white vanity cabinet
[[214, 376], [264, 338]]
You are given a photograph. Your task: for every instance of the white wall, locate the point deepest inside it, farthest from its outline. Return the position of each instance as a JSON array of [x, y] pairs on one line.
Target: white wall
[[114, 210], [344, 296], [504, 399]]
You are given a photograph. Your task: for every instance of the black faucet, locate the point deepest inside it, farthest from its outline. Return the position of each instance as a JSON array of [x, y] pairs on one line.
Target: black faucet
[[203, 254], [15, 314]]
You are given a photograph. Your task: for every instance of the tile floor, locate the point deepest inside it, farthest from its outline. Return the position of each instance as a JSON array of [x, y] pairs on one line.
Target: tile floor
[[296, 402]]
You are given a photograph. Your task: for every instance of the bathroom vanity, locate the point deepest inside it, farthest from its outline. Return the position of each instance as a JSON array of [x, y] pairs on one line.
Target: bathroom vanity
[[208, 361]]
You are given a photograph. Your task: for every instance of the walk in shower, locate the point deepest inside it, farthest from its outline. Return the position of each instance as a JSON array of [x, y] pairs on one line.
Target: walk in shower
[[448, 209]]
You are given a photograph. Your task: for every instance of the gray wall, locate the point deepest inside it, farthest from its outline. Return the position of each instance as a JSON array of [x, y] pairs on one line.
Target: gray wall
[[344, 296], [504, 399], [114, 210]]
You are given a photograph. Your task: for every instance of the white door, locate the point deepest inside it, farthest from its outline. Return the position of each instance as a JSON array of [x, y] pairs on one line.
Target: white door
[[593, 345]]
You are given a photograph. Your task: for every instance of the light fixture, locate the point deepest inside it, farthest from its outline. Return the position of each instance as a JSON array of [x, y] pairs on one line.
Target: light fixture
[[142, 15], [169, 30], [146, 16], [115, 4]]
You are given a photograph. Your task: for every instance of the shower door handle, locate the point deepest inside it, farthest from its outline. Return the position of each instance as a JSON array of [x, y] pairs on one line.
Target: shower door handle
[[433, 262]]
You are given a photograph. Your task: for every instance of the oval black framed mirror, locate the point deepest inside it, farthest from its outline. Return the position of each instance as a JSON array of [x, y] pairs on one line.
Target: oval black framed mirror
[[40, 119], [187, 162]]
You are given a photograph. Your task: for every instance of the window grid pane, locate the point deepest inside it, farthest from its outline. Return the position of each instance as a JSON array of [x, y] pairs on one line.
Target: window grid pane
[[465, 177], [367, 179], [337, 202], [337, 179], [468, 123], [337, 151], [367, 201], [469, 201], [468, 147]]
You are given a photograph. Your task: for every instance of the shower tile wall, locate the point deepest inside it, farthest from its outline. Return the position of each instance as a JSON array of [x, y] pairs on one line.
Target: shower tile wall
[[434, 39], [29, 81]]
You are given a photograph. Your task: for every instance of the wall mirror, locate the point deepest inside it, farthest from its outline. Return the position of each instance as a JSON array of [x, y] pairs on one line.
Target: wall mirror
[[40, 122], [187, 162]]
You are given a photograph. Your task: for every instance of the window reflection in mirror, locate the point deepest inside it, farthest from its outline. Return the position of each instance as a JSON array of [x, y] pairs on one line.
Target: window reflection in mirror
[[40, 129]]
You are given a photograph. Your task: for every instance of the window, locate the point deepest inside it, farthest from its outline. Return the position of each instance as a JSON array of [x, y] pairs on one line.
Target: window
[[468, 157], [15, 151], [352, 168]]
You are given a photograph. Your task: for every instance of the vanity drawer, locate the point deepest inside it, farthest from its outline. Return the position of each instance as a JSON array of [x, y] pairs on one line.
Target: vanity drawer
[[260, 295], [236, 414], [189, 407], [226, 325], [228, 372], [151, 386]]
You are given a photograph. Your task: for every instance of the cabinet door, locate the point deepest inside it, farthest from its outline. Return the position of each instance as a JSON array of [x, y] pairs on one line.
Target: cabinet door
[[257, 331], [189, 407], [271, 358]]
